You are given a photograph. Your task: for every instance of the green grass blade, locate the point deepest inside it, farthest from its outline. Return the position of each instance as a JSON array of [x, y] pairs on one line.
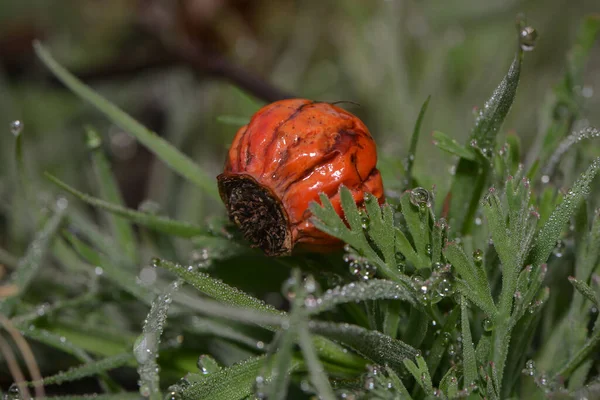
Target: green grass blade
[[176, 160], [87, 370], [109, 190], [374, 289], [278, 388], [470, 176], [414, 141], [31, 262], [121, 277], [218, 328], [421, 374], [374, 345], [97, 396], [450, 145], [587, 350], [469, 362], [150, 221], [145, 348], [217, 289], [476, 286], [235, 382], [317, 374], [550, 232], [57, 341], [585, 290]]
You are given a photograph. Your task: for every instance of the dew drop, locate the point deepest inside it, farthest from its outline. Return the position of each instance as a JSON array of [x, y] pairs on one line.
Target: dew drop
[[310, 284], [288, 289], [529, 368], [488, 325], [259, 387], [310, 301], [172, 395], [13, 393], [16, 127], [420, 197], [478, 257], [527, 38], [559, 249], [145, 390]]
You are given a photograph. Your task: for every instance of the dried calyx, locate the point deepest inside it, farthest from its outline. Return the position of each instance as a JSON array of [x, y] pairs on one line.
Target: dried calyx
[[257, 212]]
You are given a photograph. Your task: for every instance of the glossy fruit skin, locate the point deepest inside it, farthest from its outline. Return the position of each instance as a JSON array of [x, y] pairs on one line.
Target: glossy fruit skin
[[293, 150]]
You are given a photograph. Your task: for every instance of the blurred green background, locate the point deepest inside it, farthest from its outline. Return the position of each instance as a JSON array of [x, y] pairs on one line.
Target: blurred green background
[[178, 65], [388, 56]]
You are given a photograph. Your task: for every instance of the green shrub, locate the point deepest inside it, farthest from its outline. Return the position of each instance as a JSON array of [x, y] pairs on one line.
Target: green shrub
[[465, 295]]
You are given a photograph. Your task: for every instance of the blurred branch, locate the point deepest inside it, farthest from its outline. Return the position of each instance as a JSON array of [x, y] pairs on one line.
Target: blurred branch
[[164, 25], [164, 44]]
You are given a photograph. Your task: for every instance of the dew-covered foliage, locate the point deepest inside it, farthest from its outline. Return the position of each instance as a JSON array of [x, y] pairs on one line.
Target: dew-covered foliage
[[490, 290]]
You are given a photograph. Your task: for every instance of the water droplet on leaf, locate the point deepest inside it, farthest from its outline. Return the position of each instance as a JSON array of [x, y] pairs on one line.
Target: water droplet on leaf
[[420, 197], [527, 38], [16, 127]]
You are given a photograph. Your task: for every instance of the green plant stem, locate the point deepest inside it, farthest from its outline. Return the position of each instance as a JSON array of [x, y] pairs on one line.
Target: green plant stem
[[580, 356]]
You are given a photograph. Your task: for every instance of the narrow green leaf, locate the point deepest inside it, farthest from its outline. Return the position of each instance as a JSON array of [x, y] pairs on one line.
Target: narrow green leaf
[[589, 255], [350, 210], [449, 383], [285, 339], [496, 108], [438, 239], [414, 140], [145, 348], [317, 374], [470, 177], [575, 137], [451, 146], [234, 297], [476, 286], [327, 220], [120, 228], [235, 382], [31, 262], [417, 221], [374, 289], [87, 370], [98, 396], [381, 224], [585, 290], [278, 387], [48, 310], [217, 289], [421, 374], [469, 361], [178, 161], [438, 349], [374, 345], [550, 232], [267, 320], [122, 277], [150, 221], [222, 329], [208, 364], [404, 247], [586, 351], [397, 384], [58, 342]]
